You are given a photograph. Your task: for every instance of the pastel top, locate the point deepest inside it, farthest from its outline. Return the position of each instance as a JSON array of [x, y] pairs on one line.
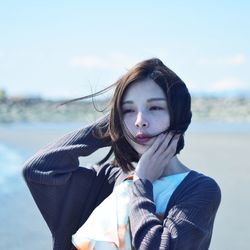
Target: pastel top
[[163, 188], [107, 228]]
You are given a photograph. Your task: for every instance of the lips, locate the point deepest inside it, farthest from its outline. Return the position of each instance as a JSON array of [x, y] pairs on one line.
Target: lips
[[142, 139]]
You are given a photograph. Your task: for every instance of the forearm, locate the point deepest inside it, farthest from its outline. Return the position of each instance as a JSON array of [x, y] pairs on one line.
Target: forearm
[[146, 228], [188, 223], [61, 156]]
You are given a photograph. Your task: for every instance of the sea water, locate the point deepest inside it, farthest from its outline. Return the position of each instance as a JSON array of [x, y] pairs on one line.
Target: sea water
[[21, 224], [11, 159]]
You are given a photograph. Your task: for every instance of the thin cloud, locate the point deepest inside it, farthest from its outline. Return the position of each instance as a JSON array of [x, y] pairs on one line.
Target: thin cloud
[[87, 62], [234, 60], [227, 84], [117, 60], [238, 59]]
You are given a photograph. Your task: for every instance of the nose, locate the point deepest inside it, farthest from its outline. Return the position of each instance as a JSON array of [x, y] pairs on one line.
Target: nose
[[141, 122]]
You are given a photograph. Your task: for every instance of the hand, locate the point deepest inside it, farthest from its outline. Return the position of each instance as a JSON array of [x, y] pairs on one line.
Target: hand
[[152, 163]]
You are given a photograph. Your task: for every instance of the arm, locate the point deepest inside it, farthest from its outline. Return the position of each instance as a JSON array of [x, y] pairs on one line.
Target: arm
[[188, 224], [54, 164], [60, 187]]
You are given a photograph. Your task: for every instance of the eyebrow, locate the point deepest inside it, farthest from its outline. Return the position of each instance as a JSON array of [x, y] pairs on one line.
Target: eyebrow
[[149, 100]]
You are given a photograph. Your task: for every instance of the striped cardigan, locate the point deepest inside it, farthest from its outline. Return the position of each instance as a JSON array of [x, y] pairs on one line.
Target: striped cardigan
[[66, 194]]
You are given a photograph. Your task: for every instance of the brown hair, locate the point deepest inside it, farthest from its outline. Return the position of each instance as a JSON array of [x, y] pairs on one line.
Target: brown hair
[[178, 101]]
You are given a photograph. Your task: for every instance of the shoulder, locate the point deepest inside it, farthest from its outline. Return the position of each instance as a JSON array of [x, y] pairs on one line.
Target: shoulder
[[199, 182], [198, 189]]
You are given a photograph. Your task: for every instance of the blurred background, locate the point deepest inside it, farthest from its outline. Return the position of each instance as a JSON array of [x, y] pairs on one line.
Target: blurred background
[[52, 51]]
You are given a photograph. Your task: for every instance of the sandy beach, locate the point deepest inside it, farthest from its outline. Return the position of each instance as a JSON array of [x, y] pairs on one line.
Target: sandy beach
[[221, 155]]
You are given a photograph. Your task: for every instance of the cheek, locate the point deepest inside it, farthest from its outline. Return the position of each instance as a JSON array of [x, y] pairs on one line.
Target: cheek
[[129, 122], [140, 149], [161, 123]]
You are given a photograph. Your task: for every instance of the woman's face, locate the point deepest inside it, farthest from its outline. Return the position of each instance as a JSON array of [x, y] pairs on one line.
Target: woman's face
[[145, 113]]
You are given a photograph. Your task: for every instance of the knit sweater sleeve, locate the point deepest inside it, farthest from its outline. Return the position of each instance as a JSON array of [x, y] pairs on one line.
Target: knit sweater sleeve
[[188, 224], [61, 188], [55, 163]]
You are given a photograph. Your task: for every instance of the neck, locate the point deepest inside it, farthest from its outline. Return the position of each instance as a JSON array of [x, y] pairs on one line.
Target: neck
[[175, 167]]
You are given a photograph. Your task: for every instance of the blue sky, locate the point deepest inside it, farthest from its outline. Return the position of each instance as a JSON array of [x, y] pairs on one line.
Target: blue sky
[[62, 48]]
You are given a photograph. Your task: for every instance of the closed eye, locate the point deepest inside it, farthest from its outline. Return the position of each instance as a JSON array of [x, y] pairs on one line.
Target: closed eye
[[156, 108], [125, 111]]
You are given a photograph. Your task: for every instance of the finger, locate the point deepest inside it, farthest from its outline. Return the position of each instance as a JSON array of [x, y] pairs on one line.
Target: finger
[[171, 149], [163, 146], [159, 139], [169, 140], [174, 139], [168, 148]]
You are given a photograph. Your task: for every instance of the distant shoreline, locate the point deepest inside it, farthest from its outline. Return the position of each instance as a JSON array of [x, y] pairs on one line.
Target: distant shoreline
[[209, 108]]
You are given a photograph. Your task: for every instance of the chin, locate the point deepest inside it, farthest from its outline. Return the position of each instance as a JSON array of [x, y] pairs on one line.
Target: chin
[[140, 149]]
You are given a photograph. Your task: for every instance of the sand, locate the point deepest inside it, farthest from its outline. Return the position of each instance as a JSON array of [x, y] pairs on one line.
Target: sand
[[223, 156]]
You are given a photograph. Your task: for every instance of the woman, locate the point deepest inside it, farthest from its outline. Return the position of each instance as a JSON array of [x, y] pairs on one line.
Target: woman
[[170, 206]]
